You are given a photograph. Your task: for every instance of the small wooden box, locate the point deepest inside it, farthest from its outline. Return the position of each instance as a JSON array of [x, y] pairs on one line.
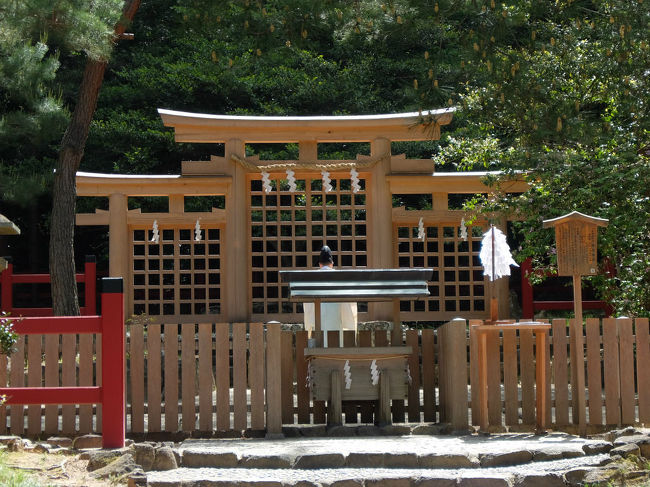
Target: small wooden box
[[361, 388], [328, 377], [390, 361]]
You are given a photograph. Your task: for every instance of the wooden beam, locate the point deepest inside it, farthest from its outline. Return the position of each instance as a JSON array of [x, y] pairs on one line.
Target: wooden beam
[[468, 183], [199, 127], [403, 216], [100, 217], [136, 217], [95, 184]]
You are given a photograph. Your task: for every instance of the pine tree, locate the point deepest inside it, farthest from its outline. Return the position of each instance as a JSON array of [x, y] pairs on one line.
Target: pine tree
[[69, 26]]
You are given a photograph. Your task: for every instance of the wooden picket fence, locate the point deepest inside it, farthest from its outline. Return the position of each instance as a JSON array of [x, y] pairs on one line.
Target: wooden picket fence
[[220, 369], [617, 375], [204, 377]]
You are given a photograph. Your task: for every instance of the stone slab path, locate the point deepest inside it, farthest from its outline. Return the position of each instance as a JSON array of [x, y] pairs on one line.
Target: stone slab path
[[424, 461]]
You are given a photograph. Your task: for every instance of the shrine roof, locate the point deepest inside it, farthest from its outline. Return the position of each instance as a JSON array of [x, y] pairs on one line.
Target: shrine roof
[[7, 227], [576, 216], [201, 127]]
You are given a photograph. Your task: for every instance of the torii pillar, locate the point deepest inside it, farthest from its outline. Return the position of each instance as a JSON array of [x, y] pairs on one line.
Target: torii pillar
[[380, 224], [235, 263]]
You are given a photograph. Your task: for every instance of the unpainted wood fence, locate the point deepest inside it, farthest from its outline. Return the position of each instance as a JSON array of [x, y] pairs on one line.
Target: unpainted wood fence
[[205, 377]]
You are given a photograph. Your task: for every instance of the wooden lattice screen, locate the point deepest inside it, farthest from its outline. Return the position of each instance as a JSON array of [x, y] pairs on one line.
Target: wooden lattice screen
[[457, 287], [288, 229], [178, 276]]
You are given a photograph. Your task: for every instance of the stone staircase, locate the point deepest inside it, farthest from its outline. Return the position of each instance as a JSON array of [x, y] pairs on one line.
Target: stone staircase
[[507, 460]]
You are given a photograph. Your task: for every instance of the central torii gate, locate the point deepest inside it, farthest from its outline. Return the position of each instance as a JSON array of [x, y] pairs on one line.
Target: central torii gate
[[233, 240]]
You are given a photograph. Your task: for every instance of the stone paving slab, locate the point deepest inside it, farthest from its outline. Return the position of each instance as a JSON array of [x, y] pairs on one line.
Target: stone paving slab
[[401, 452], [409, 461], [370, 477]]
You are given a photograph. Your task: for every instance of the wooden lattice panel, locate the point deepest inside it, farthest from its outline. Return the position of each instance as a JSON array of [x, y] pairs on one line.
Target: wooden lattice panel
[[177, 276], [457, 287], [287, 230]]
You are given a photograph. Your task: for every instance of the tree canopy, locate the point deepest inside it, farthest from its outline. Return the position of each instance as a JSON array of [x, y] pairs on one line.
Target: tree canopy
[[555, 92]]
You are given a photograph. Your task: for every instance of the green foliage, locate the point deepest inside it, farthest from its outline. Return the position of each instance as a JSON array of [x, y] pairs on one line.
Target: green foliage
[[552, 92], [72, 25], [41, 63], [15, 478], [8, 337], [556, 93], [28, 112]]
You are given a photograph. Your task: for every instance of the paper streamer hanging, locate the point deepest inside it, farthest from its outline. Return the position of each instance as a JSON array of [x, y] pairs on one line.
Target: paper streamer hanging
[[291, 180], [327, 182], [374, 373], [354, 180], [347, 375], [197, 231], [266, 182], [407, 374], [155, 233], [500, 265], [421, 229], [463, 230]]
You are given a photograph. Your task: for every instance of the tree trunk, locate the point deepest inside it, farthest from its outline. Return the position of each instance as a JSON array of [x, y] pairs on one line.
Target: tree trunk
[[62, 267]]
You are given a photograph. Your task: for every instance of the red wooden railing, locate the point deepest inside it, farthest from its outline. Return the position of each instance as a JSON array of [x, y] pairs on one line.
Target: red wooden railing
[[8, 279], [529, 305], [111, 394]]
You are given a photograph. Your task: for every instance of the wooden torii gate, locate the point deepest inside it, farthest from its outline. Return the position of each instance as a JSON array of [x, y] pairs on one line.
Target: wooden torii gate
[[384, 174]]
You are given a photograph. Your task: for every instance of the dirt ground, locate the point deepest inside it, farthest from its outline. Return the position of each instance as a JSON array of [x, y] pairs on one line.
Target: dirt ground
[[55, 469]]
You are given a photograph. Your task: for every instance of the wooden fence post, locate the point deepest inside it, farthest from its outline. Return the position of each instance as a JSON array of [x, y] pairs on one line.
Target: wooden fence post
[[273, 380], [6, 299], [90, 286], [453, 373], [113, 390], [527, 305]]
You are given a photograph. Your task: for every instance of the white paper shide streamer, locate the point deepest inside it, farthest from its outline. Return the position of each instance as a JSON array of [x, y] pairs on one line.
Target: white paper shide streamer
[[347, 375], [354, 180], [327, 182], [197, 231], [463, 230], [291, 180], [266, 182], [155, 233], [500, 265], [374, 373], [421, 229]]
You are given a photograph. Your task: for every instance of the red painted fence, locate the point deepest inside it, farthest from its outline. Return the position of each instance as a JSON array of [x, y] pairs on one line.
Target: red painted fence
[[529, 305], [8, 279], [111, 394]]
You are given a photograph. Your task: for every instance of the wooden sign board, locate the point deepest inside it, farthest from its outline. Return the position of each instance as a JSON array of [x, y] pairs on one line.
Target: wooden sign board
[[576, 249], [576, 237]]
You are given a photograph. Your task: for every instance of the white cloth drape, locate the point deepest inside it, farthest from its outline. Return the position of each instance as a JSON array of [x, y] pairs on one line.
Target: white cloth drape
[[502, 257]]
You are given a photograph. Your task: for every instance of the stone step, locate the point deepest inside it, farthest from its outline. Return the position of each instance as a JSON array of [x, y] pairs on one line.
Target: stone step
[[521, 460], [555, 473], [444, 452]]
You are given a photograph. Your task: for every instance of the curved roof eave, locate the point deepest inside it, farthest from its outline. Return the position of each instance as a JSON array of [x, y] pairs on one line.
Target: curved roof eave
[[201, 127]]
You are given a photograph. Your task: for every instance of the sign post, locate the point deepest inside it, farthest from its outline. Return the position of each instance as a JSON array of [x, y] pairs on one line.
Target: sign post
[[576, 237]]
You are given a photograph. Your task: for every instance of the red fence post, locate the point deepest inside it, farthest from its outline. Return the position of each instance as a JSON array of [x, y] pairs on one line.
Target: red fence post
[[7, 298], [90, 285], [527, 310], [113, 366]]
